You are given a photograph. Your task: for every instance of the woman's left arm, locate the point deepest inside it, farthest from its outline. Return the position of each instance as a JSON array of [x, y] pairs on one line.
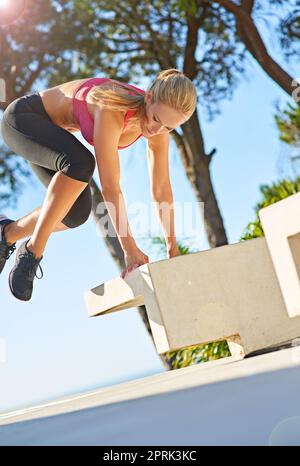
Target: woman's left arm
[[161, 190]]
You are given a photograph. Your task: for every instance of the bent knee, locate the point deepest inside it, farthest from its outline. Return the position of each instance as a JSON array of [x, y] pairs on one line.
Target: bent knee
[[81, 171], [73, 221], [77, 215]]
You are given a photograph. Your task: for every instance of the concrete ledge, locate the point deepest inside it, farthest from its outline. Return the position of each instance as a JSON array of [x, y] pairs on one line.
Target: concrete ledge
[[230, 292]]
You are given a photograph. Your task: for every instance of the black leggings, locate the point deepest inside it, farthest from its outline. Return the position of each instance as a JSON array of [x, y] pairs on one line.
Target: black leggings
[[28, 130]]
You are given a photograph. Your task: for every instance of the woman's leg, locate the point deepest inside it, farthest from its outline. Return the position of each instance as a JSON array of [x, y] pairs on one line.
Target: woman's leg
[[61, 194], [75, 217], [25, 225]]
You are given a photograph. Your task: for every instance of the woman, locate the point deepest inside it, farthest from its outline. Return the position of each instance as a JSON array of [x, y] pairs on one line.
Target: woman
[[111, 115]]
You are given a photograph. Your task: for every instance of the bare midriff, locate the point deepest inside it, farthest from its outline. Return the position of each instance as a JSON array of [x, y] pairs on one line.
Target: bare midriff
[[59, 106]]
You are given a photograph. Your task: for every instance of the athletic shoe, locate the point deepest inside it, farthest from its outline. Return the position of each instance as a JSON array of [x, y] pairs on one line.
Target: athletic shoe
[[23, 272], [6, 249]]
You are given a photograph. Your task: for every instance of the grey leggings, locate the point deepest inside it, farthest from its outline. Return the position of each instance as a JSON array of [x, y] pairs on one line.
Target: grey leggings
[[28, 130]]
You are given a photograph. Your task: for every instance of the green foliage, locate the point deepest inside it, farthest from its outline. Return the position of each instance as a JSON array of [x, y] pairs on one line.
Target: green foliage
[[271, 194], [160, 246], [197, 354], [288, 123], [189, 6]]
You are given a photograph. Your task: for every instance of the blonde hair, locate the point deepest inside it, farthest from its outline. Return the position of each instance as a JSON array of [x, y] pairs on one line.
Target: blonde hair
[[171, 87]]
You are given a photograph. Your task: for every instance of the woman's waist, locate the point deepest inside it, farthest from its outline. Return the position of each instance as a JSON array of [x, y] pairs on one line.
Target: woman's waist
[[59, 110]]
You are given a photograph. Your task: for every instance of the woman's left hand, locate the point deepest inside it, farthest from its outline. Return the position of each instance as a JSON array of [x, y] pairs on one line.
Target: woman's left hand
[[173, 252]]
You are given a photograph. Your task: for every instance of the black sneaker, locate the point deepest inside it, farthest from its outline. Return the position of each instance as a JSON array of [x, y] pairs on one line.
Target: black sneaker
[[23, 272], [6, 249]]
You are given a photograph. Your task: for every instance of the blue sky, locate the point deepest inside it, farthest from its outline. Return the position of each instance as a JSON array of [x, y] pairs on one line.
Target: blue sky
[[52, 347]]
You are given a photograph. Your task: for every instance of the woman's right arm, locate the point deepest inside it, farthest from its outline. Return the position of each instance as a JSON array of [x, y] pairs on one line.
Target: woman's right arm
[[108, 126]]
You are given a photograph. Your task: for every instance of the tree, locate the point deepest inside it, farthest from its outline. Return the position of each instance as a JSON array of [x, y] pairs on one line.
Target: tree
[[248, 32]]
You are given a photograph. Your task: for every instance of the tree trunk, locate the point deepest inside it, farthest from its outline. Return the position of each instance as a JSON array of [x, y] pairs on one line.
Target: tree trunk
[[196, 163]]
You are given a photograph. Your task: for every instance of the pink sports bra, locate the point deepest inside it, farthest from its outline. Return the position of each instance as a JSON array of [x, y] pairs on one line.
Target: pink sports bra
[[82, 114]]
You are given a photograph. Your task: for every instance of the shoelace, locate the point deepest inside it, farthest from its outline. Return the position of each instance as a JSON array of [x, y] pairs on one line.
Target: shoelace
[[31, 263], [7, 252], [11, 249]]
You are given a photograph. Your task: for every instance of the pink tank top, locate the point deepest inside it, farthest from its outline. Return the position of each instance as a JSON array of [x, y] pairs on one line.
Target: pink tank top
[[82, 114]]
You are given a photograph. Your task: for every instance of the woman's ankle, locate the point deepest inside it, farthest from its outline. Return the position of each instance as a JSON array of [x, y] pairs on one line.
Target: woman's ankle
[[32, 248]]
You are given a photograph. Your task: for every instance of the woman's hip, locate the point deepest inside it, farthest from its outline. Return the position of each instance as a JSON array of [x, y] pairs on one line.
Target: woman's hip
[[15, 112], [28, 131]]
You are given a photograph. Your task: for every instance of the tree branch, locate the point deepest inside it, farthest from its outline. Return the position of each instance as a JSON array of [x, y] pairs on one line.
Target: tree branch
[[251, 37]]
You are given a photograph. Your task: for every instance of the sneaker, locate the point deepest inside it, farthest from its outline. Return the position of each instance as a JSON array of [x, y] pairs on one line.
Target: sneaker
[[23, 272], [6, 249]]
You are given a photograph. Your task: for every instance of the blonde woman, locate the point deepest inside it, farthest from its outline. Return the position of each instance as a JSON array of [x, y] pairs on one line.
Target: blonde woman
[[111, 115]]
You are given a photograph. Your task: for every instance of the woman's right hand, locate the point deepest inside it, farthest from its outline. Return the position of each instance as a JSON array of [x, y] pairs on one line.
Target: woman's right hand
[[133, 260]]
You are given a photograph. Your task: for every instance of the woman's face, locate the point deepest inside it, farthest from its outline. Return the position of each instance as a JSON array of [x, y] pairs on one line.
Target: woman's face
[[159, 118]]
